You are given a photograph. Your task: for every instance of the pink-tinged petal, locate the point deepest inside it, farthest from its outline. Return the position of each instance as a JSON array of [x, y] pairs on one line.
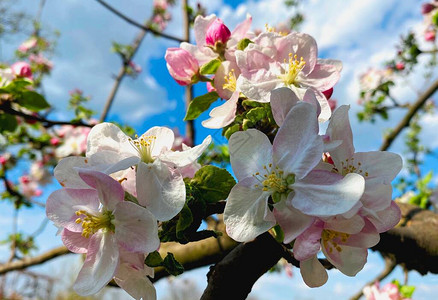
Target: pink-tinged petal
[[135, 282], [161, 190], [351, 225], [259, 90], [109, 162], [367, 238], [297, 146], [110, 191], [377, 196], [202, 55], [334, 62], [322, 78], [323, 193], [339, 129], [136, 228], [250, 151], [313, 272], [246, 213], [74, 241], [187, 156], [282, 100], [291, 221], [164, 139], [99, 266], [60, 206], [254, 61], [302, 45], [225, 69], [386, 218], [349, 261], [201, 26], [310, 97], [326, 111], [223, 115], [107, 136], [379, 164], [308, 244], [67, 176], [242, 28]]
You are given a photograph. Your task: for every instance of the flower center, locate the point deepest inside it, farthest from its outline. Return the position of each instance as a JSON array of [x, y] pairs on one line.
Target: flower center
[[274, 181], [92, 223], [230, 81], [292, 69], [274, 30], [350, 166], [330, 239], [144, 146]]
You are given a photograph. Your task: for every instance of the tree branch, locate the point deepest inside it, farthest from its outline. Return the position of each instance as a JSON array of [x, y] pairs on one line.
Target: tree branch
[[409, 115], [136, 24], [6, 107], [32, 261]]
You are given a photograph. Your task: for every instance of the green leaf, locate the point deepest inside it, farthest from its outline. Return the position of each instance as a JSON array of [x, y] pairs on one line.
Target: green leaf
[[242, 44], [435, 19], [172, 266], [7, 122], [16, 86], [210, 67], [407, 290], [33, 101], [256, 114], [200, 104], [230, 130], [213, 183], [154, 259], [184, 221]]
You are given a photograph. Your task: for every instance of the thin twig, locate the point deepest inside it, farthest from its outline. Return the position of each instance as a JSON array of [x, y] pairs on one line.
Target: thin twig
[[143, 27], [390, 264], [389, 139]]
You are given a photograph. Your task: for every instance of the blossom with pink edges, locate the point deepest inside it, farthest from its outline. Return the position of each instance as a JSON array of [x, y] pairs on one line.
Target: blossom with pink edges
[[182, 66], [22, 69]]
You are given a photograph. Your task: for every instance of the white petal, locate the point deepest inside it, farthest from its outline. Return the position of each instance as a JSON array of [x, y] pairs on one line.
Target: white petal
[[164, 139], [136, 228], [99, 266], [246, 213], [297, 145], [282, 101], [313, 272], [135, 283], [160, 190], [323, 193], [186, 157], [250, 150], [223, 115]]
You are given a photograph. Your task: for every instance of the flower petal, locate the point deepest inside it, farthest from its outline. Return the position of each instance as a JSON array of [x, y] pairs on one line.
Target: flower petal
[[250, 151], [163, 142], [60, 206], [313, 272], [186, 157], [160, 190], [223, 115], [282, 101], [74, 241], [379, 164], [366, 238], [135, 283], [322, 78], [291, 221], [99, 266], [136, 228], [308, 244], [386, 218], [297, 146], [323, 193], [349, 261], [110, 191], [246, 213]]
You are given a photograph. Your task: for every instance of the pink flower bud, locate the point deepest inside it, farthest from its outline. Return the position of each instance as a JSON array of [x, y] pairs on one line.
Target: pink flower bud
[[427, 8], [328, 93], [24, 179], [54, 141], [182, 65], [217, 32], [332, 103], [430, 35], [27, 45], [3, 160], [22, 69], [400, 66], [210, 87]]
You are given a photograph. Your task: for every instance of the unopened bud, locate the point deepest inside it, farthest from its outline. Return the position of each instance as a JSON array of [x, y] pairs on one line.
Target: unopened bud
[[217, 32], [182, 66]]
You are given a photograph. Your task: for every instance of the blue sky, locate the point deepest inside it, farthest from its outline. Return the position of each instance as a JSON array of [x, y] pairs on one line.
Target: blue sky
[[360, 33]]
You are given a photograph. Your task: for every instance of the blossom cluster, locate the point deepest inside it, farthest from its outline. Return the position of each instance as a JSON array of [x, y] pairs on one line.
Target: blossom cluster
[[321, 193], [390, 291], [97, 215], [430, 22]]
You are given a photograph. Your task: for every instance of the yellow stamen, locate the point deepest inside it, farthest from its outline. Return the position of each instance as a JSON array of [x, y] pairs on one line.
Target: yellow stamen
[[92, 223], [230, 81], [144, 146], [330, 239], [294, 67]]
